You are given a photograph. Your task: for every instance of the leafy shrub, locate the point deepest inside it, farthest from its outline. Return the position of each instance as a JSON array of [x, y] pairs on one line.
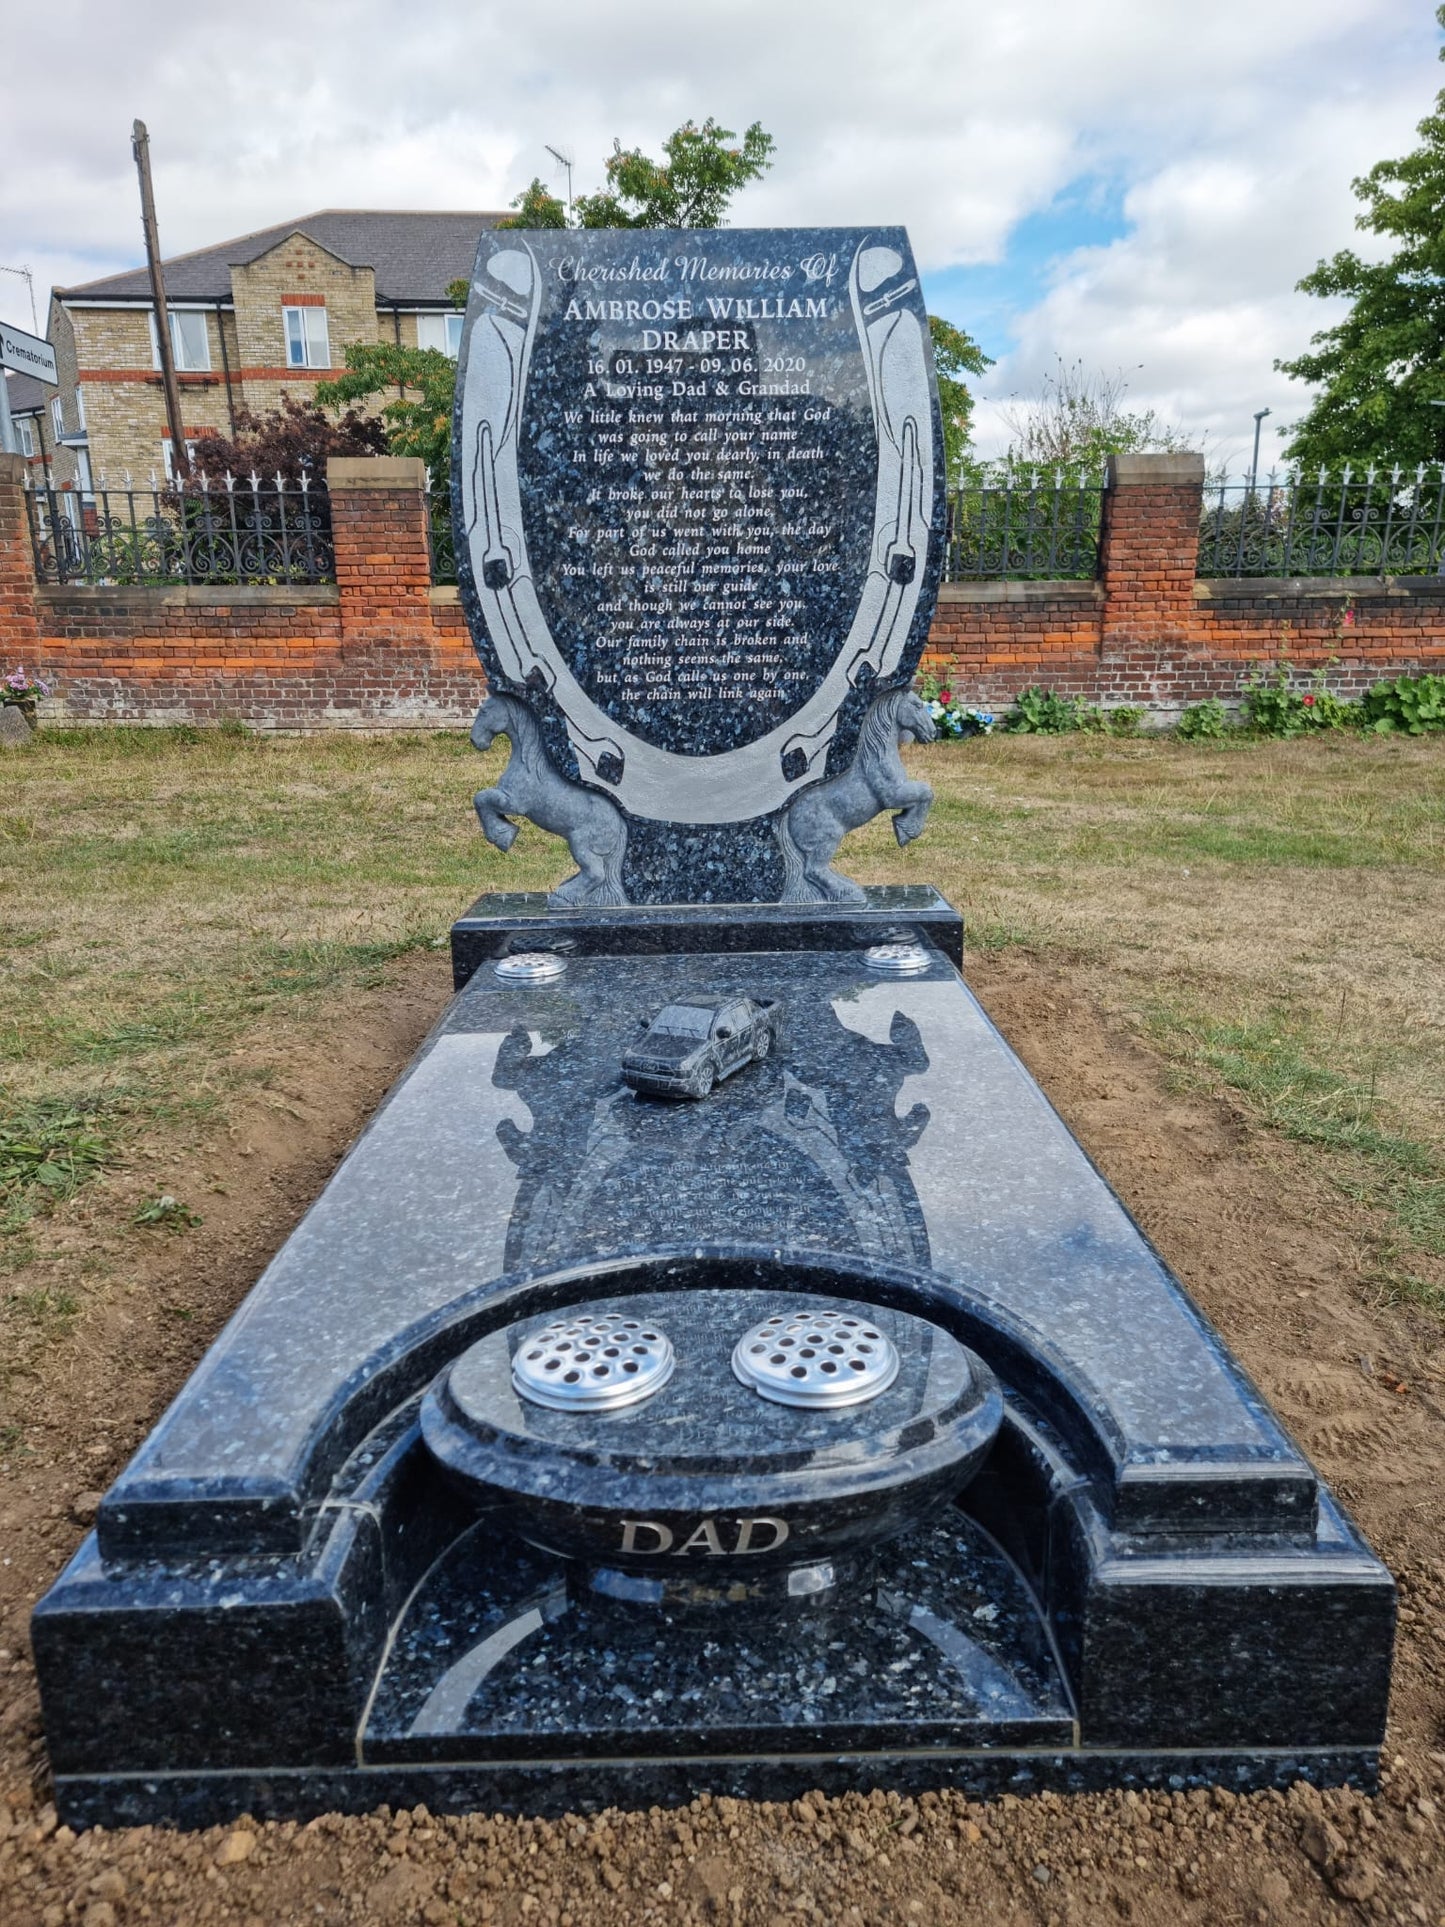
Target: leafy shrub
[[1044, 712], [1125, 719], [1413, 704], [1274, 705], [1203, 722]]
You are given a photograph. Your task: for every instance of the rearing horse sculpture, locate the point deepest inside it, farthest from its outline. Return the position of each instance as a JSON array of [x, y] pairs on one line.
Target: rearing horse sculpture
[[594, 827], [810, 830]]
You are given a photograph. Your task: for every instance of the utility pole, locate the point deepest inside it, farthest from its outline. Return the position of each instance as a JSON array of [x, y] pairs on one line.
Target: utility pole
[[141, 148], [563, 160]]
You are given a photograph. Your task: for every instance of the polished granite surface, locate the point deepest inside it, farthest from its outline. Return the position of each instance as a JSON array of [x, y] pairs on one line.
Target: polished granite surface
[[497, 1657], [292, 1603], [705, 1471], [699, 503], [894, 1129]]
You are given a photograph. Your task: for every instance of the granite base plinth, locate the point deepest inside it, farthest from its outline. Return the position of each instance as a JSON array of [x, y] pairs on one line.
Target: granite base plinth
[[555, 1787], [498, 924]]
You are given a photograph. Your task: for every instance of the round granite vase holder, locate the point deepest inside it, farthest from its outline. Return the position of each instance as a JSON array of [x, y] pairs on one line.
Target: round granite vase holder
[[714, 1447]]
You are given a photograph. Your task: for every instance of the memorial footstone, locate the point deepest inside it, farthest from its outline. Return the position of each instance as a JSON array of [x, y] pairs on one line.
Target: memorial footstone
[[811, 1414]]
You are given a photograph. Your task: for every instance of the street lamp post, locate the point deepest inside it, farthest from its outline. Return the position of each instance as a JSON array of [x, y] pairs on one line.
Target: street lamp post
[[1254, 460]]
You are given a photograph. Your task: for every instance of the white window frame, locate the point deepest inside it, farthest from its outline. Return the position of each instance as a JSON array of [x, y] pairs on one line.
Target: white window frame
[[80, 411], [307, 336], [57, 415], [84, 480], [179, 352], [25, 435], [447, 326], [170, 467]]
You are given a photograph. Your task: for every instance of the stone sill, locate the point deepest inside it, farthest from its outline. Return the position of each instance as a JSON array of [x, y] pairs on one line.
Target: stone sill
[[447, 596], [194, 596], [1070, 590], [1401, 588]]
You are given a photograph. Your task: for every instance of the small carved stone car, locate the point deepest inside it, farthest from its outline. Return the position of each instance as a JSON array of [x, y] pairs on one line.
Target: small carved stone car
[[693, 1043]]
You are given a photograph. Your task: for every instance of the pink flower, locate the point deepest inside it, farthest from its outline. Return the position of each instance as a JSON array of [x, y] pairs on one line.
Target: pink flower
[[945, 695], [1309, 702]]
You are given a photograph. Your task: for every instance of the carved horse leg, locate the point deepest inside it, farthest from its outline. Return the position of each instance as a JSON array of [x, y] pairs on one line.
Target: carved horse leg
[[489, 805], [917, 799]]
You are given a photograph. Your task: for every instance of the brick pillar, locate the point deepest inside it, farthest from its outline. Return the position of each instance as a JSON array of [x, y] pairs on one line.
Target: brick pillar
[[1150, 540], [19, 628], [383, 557]]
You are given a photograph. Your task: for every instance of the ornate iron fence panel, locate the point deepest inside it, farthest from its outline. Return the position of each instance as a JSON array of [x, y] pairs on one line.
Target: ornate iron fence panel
[[439, 529], [250, 531], [1025, 527], [1374, 521]]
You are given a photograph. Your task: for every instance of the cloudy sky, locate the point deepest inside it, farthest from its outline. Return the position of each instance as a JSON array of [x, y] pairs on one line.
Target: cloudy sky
[[1135, 185]]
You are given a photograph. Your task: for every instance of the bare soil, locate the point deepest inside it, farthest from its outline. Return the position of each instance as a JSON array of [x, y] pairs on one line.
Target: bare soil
[[1273, 1253]]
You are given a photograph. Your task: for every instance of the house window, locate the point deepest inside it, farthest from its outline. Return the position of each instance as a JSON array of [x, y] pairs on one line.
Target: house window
[[82, 473], [190, 347], [443, 331], [166, 456], [26, 435], [80, 409], [57, 416], [307, 342]]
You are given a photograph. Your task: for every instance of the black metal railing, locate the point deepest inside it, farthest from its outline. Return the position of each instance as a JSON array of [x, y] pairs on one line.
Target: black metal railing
[[1017, 527], [246, 530], [1020, 526], [439, 531], [1375, 521]]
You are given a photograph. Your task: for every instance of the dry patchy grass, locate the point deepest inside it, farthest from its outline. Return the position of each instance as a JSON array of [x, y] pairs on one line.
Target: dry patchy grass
[[1272, 916]]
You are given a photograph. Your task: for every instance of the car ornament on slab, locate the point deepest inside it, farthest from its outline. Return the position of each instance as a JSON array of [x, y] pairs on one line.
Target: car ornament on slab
[[692, 1044]]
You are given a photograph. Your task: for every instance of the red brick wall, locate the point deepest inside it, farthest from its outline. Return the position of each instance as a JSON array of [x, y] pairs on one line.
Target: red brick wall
[[382, 649]]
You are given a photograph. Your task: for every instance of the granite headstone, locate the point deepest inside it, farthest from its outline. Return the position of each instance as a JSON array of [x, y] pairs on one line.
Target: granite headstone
[[698, 487]]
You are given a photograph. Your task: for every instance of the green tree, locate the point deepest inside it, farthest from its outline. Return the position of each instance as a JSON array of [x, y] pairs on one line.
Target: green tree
[[418, 418], [1078, 419], [955, 354], [690, 188], [1382, 366]]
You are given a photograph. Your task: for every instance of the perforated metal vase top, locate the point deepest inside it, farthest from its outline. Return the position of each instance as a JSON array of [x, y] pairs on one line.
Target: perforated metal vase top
[[816, 1359], [530, 967], [897, 959], [592, 1363]]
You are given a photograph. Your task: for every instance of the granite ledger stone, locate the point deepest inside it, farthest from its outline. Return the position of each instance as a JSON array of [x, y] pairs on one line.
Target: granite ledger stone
[[698, 487]]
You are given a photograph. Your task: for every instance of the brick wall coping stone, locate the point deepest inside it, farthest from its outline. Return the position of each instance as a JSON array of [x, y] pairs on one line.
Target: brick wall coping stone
[[1070, 589], [205, 595], [13, 468], [345, 473], [447, 596], [1154, 471], [1320, 588]]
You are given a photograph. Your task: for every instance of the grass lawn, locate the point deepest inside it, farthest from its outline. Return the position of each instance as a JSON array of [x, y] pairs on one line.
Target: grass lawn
[[1271, 917]]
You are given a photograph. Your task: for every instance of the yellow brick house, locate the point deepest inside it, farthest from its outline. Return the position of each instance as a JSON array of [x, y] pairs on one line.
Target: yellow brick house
[[252, 319]]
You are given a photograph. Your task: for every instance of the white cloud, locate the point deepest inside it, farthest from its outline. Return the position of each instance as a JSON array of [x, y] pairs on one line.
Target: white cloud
[[1234, 133]]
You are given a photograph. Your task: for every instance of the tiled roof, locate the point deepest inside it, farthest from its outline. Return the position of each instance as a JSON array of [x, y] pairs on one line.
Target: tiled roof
[[415, 255], [26, 394]]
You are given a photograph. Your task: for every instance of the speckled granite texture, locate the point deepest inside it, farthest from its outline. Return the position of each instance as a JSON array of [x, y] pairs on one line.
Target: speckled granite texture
[[1175, 1594], [698, 490]]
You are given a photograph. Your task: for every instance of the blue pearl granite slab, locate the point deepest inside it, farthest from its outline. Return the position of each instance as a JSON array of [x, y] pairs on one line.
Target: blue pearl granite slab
[[500, 923], [893, 1127], [496, 1656], [698, 494], [1143, 1583]]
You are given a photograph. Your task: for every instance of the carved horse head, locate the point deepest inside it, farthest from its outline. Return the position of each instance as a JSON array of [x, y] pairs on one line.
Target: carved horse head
[[912, 718], [498, 716]]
